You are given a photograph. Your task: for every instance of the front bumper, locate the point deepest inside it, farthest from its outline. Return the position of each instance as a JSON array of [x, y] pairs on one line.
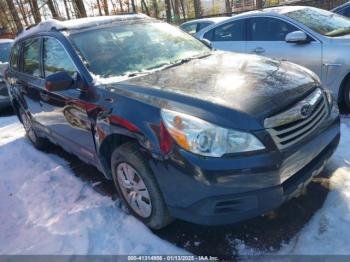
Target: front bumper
[[214, 191]]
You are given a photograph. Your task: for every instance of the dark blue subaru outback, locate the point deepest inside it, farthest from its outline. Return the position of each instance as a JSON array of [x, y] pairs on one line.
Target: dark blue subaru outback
[[183, 131]]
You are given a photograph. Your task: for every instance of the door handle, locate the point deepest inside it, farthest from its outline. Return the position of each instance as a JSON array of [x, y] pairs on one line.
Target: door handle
[[44, 96], [258, 50]]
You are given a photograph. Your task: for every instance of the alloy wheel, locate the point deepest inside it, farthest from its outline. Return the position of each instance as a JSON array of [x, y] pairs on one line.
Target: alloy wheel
[[134, 190]]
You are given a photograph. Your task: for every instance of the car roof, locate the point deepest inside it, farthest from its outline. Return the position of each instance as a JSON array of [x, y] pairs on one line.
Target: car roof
[[80, 23], [216, 19], [279, 10]]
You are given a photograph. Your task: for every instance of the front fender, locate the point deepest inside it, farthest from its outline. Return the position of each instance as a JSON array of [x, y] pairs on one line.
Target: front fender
[[129, 120]]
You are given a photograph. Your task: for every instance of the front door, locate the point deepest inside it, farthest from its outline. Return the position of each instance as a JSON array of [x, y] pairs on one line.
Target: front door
[[266, 36], [64, 113]]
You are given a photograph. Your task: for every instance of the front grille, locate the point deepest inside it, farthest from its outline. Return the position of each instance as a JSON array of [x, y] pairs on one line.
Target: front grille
[[296, 123]]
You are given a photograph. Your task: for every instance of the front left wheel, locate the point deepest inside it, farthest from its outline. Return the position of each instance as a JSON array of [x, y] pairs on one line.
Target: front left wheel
[[137, 186]]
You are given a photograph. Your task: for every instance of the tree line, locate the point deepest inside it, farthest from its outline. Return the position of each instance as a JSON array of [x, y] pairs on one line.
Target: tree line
[[18, 14]]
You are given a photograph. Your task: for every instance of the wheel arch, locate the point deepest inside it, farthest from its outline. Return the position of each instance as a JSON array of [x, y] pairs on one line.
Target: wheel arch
[[16, 106], [340, 97], [107, 147]]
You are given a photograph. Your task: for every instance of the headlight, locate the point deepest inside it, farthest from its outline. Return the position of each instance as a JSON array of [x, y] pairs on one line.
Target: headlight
[[203, 138], [329, 97]]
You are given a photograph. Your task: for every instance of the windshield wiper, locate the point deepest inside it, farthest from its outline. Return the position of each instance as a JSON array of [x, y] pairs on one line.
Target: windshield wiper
[[162, 66], [339, 32]]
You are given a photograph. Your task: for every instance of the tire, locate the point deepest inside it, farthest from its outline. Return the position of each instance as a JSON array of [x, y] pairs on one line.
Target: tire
[[38, 142], [346, 96], [146, 205]]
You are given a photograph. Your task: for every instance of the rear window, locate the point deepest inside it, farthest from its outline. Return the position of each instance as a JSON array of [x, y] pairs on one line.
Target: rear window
[[5, 49], [190, 28], [14, 57]]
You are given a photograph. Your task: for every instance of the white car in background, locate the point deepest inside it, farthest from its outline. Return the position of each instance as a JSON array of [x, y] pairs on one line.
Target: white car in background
[[314, 38], [5, 48], [194, 26]]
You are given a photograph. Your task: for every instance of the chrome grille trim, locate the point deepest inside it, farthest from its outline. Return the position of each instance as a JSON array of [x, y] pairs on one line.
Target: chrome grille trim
[[291, 126]]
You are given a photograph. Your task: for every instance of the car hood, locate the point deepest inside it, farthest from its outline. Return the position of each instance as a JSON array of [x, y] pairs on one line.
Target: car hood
[[252, 85]]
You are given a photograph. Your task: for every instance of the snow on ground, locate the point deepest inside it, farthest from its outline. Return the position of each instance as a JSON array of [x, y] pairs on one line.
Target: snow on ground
[[45, 209], [328, 232]]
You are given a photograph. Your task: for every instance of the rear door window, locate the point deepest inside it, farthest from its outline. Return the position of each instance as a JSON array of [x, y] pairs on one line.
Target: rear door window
[[202, 25], [233, 31], [14, 57], [31, 57]]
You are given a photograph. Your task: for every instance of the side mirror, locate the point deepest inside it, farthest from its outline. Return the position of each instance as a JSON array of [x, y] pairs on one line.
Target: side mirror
[[207, 43], [58, 81], [297, 37]]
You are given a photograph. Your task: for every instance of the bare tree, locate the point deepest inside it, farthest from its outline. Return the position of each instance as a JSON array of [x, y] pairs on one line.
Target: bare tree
[[197, 8], [57, 8], [66, 8], [35, 10], [144, 7], [113, 7], [259, 4], [121, 6], [99, 7], [52, 8], [183, 9], [6, 20], [14, 15], [228, 6], [105, 7], [80, 7], [168, 10], [155, 8], [133, 6], [22, 11], [176, 9]]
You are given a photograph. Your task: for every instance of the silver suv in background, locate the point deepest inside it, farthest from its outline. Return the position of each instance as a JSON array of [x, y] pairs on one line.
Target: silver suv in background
[[5, 48], [311, 37]]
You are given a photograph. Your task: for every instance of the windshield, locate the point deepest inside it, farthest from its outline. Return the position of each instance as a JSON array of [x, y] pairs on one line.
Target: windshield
[[5, 52], [125, 49], [321, 21]]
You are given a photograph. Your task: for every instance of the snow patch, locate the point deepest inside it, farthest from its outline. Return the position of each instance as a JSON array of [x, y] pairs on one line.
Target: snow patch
[[328, 232], [45, 209]]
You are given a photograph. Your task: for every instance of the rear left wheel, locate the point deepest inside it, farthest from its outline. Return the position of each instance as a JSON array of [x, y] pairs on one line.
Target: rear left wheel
[[346, 96], [37, 141]]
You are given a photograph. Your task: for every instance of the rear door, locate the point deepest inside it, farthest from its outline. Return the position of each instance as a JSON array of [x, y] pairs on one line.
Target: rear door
[[30, 79], [230, 36], [266, 36]]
